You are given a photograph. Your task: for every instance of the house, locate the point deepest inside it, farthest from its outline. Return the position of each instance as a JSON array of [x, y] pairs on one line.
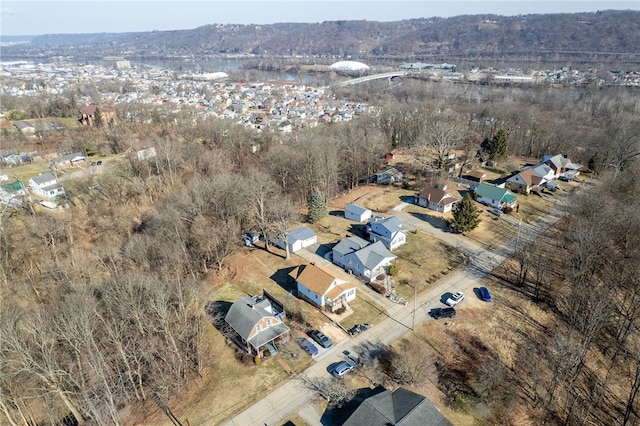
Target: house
[[356, 213], [558, 163], [67, 161], [25, 127], [88, 115], [320, 288], [258, 323], [361, 258], [389, 176], [524, 181], [141, 154], [545, 172], [436, 199], [297, 239], [475, 177], [495, 196], [388, 230], [47, 186], [400, 407]]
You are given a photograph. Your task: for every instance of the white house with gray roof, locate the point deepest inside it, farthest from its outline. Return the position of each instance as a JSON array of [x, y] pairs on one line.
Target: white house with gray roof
[[46, 185], [361, 258], [258, 323], [388, 230]]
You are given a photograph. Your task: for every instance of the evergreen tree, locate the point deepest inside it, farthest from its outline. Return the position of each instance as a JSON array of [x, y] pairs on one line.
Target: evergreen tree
[[499, 146], [466, 216], [97, 119], [596, 162], [317, 206]]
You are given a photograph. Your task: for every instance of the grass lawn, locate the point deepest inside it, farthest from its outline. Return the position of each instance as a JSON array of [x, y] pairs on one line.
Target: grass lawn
[[365, 311], [27, 171], [421, 260]]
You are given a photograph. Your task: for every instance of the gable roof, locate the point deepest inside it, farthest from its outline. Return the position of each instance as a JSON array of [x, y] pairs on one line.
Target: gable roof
[[557, 161], [302, 233], [350, 244], [246, 312], [542, 170], [400, 407], [44, 178], [356, 209], [477, 174], [528, 176], [492, 192], [391, 223], [373, 255], [313, 277], [437, 196]]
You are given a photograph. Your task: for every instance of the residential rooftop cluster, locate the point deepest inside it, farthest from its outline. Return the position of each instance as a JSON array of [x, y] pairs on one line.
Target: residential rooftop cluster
[[278, 106]]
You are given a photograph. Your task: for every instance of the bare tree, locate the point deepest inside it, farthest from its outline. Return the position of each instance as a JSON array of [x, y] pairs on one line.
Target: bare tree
[[335, 391], [406, 364]]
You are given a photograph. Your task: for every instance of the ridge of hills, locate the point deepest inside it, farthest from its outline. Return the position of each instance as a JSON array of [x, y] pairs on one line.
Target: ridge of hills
[[611, 36]]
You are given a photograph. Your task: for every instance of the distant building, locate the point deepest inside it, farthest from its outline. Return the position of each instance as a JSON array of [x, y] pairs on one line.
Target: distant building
[[88, 115]]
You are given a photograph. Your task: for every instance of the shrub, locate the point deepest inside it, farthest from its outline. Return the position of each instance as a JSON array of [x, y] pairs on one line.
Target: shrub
[[257, 360], [341, 310]]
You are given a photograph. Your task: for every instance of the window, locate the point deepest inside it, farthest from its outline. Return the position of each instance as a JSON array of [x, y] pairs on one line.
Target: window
[[258, 327], [269, 322]]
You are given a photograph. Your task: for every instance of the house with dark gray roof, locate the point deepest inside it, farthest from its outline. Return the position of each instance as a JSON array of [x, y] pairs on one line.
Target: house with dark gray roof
[[400, 407], [361, 258], [258, 323]]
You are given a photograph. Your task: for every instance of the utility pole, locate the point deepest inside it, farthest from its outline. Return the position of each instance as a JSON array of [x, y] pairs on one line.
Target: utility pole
[[415, 295]]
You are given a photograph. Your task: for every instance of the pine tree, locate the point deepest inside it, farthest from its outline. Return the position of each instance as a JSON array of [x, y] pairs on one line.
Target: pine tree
[[466, 216], [98, 122], [499, 146], [317, 206]]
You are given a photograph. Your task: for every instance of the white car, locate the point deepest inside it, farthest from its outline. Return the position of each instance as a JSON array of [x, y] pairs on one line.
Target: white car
[[455, 298]]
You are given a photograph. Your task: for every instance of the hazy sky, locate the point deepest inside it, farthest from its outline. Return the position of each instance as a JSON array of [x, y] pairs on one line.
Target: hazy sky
[[26, 17]]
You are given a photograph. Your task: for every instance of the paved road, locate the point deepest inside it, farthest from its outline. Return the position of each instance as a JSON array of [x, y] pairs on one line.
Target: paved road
[[293, 397]]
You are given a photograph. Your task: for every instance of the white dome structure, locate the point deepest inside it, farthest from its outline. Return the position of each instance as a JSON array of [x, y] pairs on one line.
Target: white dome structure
[[350, 68]]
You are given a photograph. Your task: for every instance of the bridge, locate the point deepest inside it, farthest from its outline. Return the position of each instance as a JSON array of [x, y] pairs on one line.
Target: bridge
[[366, 78]]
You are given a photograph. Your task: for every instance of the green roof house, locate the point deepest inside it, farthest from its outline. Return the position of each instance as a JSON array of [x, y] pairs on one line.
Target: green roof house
[[495, 196]]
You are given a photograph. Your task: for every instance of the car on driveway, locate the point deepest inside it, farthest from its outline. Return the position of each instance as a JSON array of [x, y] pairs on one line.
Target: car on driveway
[[343, 368], [484, 294], [321, 338], [496, 211], [443, 313], [309, 347], [455, 298]]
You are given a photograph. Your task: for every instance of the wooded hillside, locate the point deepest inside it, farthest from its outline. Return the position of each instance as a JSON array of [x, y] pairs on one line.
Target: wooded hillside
[[601, 37]]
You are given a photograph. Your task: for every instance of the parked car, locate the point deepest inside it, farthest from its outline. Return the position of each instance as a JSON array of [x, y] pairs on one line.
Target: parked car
[[309, 347], [343, 368], [496, 211], [455, 298], [357, 329], [484, 294], [321, 338], [443, 313]]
